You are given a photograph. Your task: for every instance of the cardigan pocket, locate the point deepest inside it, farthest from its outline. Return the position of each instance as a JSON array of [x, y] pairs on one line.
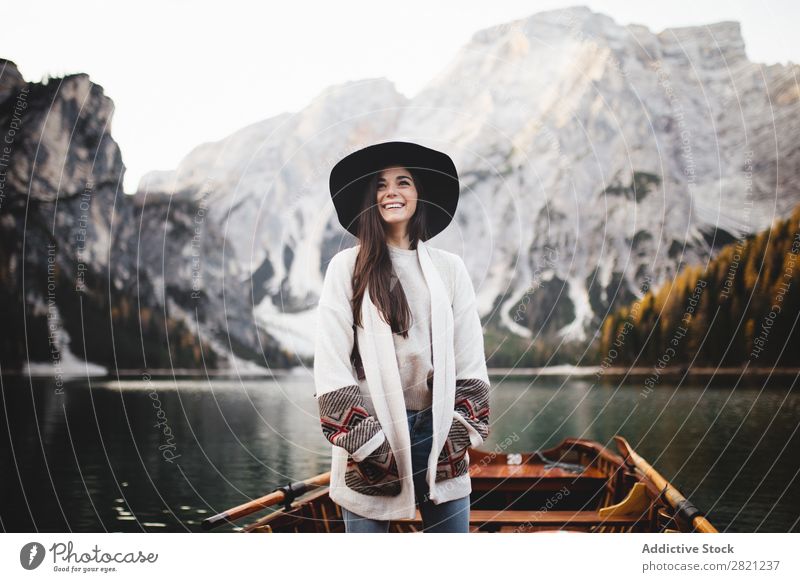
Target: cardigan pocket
[[347, 423], [470, 426], [376, 474], [453, 460]]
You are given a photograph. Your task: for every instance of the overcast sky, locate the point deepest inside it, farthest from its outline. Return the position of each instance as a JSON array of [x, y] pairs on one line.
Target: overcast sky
[[182, 73]]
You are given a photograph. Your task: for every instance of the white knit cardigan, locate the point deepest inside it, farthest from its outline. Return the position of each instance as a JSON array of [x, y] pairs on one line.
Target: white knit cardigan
[[361, 431]]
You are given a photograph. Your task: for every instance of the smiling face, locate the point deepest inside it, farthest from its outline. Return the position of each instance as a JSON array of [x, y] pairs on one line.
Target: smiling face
[[396, 196]]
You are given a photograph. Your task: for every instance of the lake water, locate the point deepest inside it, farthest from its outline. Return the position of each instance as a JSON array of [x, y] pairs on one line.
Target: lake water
[[162, 454]]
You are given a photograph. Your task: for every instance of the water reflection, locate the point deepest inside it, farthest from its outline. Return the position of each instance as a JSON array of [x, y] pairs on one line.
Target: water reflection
[[93, 458]]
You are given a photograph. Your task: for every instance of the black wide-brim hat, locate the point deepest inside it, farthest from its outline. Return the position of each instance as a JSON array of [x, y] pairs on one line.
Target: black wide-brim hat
[[434, 169]]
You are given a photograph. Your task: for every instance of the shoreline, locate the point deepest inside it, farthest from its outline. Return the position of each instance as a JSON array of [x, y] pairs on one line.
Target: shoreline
[[639, 371], [547, 371]]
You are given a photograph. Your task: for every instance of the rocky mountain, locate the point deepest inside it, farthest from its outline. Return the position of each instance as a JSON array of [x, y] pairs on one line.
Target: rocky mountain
[[90, 274], [596, 159]]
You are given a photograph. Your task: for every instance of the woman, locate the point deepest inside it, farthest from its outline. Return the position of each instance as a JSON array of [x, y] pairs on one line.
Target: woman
[[399, 367]]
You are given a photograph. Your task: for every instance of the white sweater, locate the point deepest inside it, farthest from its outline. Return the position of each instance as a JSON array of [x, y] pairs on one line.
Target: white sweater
[[365, 420], [414, 355]]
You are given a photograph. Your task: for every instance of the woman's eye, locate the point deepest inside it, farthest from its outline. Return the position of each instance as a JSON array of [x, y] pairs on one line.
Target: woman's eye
[[401, 183]]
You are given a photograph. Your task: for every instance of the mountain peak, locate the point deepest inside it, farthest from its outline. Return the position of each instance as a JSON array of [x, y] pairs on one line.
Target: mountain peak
[[545, 24], [698, 42]]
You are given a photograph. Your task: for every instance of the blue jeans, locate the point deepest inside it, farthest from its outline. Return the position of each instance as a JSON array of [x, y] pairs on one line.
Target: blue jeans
[[448, 517]]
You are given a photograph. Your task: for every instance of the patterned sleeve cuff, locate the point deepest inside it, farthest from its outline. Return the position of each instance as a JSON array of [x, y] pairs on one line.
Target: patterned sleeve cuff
[[472, 408], [347, 423], [469, 432], [369, 447]]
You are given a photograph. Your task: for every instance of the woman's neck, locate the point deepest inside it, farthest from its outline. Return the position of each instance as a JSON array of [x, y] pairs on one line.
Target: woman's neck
[[400, 243]]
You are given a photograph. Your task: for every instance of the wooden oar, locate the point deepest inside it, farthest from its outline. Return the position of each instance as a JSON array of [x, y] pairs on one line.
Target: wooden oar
[[278, 496], [678, 502]]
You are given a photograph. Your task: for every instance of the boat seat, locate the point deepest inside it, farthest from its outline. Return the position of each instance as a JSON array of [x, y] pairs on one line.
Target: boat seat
[[502, 518], [532, 471]]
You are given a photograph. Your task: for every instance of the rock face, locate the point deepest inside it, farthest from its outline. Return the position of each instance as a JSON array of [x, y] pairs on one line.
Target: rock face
[[596, 159], [87, 272]]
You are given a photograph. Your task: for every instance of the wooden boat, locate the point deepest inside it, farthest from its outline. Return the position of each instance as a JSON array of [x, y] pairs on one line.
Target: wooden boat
[[578, 485]]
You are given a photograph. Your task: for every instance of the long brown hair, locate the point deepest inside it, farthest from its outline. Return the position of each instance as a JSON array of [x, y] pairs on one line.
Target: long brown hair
[[374, 264]]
